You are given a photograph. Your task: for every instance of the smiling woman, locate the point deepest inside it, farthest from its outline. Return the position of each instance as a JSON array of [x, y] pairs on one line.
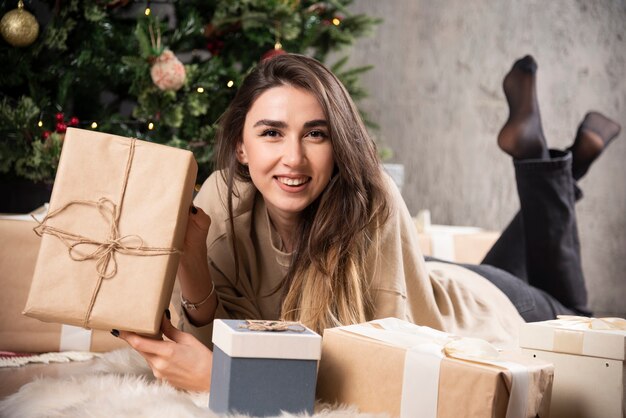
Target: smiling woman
[[300, 223]]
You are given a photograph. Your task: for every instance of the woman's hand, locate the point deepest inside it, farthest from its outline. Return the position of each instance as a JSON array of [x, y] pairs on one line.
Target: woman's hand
[[184, 362], [197, 230]]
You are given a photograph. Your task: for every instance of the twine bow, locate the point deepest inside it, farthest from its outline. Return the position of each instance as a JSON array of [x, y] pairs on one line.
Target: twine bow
[[106, 249], [272, 326], [104, 254], [607, 324]]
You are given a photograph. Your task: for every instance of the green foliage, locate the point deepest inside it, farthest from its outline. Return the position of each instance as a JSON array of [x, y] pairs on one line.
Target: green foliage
[[92, 61]]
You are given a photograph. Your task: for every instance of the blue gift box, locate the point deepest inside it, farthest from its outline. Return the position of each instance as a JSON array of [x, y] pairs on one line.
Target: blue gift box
[[262, 373]]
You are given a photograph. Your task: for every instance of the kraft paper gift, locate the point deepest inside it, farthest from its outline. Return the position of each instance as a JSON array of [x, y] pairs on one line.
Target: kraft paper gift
[[460, 244], [589, 369], [111, 240], [18, 253], [395, 367]]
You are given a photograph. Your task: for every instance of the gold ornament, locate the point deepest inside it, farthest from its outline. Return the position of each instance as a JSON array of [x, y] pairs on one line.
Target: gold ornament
[[19, 27]]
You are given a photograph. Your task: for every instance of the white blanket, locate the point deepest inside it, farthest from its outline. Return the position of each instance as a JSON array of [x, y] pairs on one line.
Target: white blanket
[[122, 385]]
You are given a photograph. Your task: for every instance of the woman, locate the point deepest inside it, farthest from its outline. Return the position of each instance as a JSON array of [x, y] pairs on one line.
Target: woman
[[301, 224]]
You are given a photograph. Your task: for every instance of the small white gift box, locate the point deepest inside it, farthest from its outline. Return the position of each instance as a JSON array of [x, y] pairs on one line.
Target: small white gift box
[[588, 357]]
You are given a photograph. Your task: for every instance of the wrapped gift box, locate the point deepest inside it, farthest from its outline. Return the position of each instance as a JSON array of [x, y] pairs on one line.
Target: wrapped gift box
[[112, 237], [588, 357], [395, 367], [18, 253], [460, 244], [262, 373]]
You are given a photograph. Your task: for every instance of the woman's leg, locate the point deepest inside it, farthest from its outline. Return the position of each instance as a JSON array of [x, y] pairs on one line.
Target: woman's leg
[[522, 137], [541, 243], [547, 196]]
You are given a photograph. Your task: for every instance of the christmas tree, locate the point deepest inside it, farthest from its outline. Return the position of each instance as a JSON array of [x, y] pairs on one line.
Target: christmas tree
[[163, 71]]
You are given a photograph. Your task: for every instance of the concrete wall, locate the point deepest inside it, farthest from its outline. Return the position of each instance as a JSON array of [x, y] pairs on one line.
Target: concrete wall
[[436, 93]]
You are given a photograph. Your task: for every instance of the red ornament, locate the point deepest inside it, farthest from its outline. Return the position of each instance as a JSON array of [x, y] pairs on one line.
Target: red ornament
[[215, 46], [61, 127], [45, 134], [273, 53], [59, 117], [74, 121]]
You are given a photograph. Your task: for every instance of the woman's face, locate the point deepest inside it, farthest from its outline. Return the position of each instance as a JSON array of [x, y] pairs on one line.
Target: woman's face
[[287, 148]]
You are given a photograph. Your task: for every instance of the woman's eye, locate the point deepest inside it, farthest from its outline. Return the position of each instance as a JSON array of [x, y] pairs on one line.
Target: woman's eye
[[318, 134], [270, 132]]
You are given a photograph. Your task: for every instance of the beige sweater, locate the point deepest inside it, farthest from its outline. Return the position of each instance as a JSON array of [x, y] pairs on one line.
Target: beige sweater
[[439, 295]]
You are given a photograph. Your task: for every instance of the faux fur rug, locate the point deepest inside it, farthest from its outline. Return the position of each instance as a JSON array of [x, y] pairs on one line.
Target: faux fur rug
[[122, 385]]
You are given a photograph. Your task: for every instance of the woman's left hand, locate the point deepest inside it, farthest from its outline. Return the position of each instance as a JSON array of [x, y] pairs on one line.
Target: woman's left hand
[[184, 362]]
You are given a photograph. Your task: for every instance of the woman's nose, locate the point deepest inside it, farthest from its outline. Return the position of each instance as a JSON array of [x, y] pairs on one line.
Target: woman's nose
[[293, 154]]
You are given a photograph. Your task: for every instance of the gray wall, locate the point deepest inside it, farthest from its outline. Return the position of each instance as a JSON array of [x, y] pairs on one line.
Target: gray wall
[[436, 93]]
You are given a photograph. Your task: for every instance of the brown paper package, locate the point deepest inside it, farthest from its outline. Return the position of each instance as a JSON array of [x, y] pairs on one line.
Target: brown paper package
[[153, 205], [468, 248], [18, 253], [366, 373]]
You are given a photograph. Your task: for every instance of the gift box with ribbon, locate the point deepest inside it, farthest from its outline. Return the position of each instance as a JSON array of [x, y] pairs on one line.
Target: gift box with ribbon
[[261, 368], [460, 244], [588, 356], [113, 234], [18, 253], [395, 367]]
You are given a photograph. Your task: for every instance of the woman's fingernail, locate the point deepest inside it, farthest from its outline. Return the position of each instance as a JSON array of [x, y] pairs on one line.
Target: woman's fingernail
[[115, 333], [194, 210], [168, 315]]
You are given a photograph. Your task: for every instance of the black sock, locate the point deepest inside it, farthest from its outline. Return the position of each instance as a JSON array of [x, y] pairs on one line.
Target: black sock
[[594, 134], [522, 134]]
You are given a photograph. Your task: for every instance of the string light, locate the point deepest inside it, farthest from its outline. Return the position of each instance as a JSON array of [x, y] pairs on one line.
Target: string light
[[278, 46], [230, 83], [94, 125], [151, 126], [147, 11], [200, 90], [336, 21], [40, 123]]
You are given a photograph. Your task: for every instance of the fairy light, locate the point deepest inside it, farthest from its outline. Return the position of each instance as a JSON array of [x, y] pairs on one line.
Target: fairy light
[[94, 125], [200, 89], [278, 46], [336, 21], [147, 12], [230, 83], [40, 123], [151, 126]]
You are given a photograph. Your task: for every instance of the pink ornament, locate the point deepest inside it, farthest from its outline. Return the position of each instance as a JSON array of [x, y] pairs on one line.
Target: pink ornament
[[168, 73]]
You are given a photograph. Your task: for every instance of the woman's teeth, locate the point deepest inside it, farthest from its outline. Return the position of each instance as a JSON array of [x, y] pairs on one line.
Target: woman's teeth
[[293, 182]]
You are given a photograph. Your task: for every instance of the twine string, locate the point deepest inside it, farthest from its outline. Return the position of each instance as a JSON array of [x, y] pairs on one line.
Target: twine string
[[272, 326]]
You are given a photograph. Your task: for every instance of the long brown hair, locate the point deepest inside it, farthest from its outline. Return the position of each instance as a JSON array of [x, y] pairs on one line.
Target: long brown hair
[[326, 284]]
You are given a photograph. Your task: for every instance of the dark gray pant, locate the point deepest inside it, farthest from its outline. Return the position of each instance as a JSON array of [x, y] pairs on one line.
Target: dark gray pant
[[536, 261]]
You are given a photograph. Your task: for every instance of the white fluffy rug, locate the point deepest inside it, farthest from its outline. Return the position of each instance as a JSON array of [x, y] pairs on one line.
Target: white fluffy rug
[[122, 385]]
